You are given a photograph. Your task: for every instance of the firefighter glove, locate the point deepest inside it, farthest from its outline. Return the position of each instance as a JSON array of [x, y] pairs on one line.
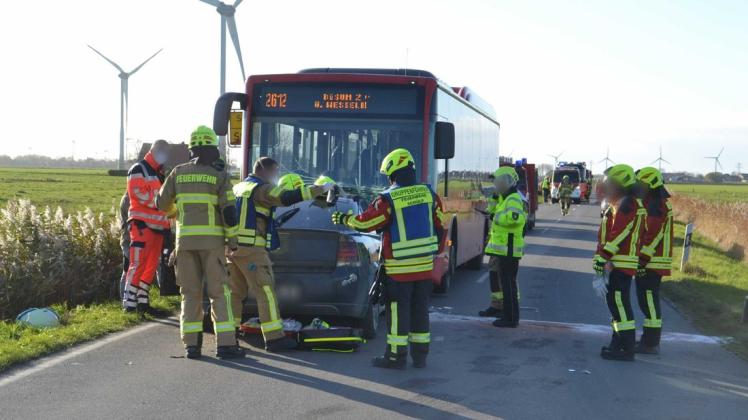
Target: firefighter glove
[[598, 264], [340, 218], [641, 272]]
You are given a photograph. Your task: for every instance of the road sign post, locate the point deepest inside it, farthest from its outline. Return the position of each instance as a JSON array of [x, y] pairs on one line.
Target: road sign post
[[686, 245]]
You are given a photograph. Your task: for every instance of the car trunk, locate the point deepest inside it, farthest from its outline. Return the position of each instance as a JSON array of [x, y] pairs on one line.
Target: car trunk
[[306, 250]]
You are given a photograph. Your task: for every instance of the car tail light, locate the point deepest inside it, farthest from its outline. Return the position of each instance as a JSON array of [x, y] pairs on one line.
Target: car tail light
[[348, 252]]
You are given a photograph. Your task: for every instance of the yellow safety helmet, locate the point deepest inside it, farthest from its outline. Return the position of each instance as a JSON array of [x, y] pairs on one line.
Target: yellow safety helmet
[[395, 160], [324, 179], [650, 176], [290, 181], [507, 171], [565, 178], [621, 174], [203, 136]]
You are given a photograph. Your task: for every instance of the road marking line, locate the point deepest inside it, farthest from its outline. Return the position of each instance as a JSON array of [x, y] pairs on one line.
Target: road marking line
[[14, 374], [582, 328], [482, 278]]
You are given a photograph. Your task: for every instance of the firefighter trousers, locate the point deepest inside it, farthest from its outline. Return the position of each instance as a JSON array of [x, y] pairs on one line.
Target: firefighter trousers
[[648, 296], [253, 274], [407, 311], [565, 204], [192, 266], [145, 255], [618, 299], [503, 270]]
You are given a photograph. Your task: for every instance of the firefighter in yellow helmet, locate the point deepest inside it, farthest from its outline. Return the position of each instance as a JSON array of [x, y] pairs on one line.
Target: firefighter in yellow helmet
[[565, 189], [409, 216], [655, 256], [251, 270], [200, 190], [617, 258], [506, 245]]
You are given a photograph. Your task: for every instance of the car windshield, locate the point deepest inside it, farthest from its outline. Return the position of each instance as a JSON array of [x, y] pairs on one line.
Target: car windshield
[[347, 150], [316, 215], [559, 175]]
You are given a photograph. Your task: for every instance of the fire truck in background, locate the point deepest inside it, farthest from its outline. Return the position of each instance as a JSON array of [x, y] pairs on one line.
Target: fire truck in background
[[527, 186], [585, 178]]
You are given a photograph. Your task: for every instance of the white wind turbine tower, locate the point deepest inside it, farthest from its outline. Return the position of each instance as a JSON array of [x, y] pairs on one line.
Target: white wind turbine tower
[[227, 20], [716, 160], [659, 161], [123, 76], [607, 159], [555, 158]]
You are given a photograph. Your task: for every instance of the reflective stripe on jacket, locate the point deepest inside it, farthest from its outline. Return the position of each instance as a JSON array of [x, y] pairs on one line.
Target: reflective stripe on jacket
[[620, 234], [507, 227], [657, 240], [143, 183]]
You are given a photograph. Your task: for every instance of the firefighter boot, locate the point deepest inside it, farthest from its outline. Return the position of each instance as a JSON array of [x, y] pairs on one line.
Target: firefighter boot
[[230, 352], [281, 344], [391, 361], [650, 341], [419, 361], [490, 312], [195, 352], [624, 351]]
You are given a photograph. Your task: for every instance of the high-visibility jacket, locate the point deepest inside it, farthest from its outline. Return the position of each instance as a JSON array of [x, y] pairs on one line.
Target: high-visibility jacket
[[507, 226], [409, 218], [620, 234], [565, 189], [657, 241], [143, 183], [546, 185], [204, 203]]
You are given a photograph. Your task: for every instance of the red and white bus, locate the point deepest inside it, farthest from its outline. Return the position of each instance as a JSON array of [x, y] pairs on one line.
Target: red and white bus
[[342, 122]]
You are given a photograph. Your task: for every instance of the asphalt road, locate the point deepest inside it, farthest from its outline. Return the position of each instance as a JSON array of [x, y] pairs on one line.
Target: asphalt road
[[547, 368]]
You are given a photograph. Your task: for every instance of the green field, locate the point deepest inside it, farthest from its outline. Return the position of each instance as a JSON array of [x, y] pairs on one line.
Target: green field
[[71, 189], [710, 290], [712, 192]]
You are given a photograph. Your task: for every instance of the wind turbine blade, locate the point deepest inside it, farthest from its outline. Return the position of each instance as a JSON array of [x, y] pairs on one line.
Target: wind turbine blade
[[105, 58], [719, 164], [231, 24], [237, 3], [666, 161], [720, 152], [214, 3], [656, 160], [143, 63]]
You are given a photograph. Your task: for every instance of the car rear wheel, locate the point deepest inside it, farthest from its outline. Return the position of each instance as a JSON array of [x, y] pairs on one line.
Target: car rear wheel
[[370, 322]]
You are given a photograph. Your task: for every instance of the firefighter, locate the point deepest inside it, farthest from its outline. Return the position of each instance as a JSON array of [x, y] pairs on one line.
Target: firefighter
[[251, 270], [565, 189], [409, 216], [146, 225], [496, 297], [201, 192], [655, 257], [506, 245], [546, 188], [617, 257]]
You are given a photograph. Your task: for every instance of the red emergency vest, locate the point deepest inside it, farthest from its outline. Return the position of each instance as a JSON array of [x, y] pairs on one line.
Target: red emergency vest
[[143, 183]]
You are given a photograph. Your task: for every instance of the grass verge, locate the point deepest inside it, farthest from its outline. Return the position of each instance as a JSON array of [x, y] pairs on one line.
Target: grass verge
[[20, 343], [711, 290]]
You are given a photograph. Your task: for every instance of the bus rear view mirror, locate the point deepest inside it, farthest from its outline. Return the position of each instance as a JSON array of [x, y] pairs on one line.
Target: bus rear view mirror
[[444, 140], [222, 111]]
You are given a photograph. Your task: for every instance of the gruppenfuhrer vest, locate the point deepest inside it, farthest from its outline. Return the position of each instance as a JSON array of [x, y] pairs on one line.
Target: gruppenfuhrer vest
[[413, 237], [507, 227]]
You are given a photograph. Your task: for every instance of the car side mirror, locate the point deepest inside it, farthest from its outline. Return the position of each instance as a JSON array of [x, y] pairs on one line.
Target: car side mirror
[[444, 140]]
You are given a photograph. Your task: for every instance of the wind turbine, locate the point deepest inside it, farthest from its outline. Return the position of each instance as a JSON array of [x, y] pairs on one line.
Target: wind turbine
[[123, 76], [555, 158], [607, 159], [227, 20], [659, 161], [716, 160]]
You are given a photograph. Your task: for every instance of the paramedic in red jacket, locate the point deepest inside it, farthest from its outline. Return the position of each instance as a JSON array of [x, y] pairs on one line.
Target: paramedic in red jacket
[[146, 225], [617, 257], [408, 215]]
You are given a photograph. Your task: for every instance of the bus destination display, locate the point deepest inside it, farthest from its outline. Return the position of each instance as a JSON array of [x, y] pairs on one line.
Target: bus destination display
[[368, 100]]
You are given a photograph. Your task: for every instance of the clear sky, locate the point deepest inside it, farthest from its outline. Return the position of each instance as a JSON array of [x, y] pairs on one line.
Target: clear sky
[[571, 76]]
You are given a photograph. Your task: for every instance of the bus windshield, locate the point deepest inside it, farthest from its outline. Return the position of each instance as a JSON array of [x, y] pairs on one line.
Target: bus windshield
[[573, 176], [345, 149]]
